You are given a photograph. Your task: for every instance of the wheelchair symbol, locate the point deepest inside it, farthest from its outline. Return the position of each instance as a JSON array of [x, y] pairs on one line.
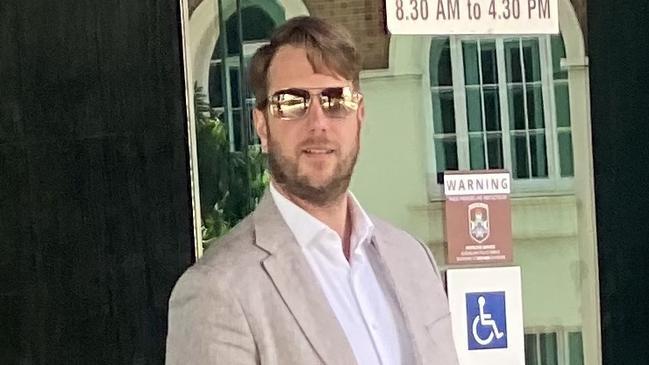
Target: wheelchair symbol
[[485, 320]]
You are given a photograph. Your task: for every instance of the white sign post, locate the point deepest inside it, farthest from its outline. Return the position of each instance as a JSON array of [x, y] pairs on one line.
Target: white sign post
[[444, 17], [487, 315]]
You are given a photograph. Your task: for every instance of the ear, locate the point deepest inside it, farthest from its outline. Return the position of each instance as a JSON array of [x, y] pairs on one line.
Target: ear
[[360, 113], [261, 126]]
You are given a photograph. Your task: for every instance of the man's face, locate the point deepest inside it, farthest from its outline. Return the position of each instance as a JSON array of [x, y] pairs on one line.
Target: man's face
[[312, 157]]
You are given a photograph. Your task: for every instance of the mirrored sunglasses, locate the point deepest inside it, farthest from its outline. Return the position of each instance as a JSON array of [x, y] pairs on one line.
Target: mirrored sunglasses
[[294, 103]]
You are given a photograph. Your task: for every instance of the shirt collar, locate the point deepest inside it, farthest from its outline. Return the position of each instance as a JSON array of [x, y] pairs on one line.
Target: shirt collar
[[362, 226], [306, 228]]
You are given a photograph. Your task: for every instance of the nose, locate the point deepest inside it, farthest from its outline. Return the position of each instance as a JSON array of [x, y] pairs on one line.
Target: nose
[[316, 119]]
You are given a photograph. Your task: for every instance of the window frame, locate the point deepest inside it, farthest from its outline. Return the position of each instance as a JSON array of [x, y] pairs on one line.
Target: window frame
[[563, 341], [232, 64], [554, 183]]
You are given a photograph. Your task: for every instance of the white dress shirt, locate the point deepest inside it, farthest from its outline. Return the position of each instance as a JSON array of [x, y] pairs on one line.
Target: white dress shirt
[[364, 306]]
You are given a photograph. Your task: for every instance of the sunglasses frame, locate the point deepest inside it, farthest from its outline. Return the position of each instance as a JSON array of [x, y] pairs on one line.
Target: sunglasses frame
[[355, 97]]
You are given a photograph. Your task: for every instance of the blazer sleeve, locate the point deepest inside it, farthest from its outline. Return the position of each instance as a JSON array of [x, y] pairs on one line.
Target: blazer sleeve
[[207, 324]]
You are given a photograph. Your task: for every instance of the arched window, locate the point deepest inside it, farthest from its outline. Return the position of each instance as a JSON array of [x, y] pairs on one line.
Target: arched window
[[226, 79], [502, 102]]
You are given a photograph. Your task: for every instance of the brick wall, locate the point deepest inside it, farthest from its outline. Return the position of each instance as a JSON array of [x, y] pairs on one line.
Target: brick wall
[[365, 19]]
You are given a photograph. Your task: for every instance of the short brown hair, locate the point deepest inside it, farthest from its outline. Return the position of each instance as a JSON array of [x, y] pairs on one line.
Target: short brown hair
[[329, 48]]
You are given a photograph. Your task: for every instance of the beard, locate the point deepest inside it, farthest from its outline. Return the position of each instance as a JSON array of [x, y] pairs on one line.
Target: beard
[[285, 173]]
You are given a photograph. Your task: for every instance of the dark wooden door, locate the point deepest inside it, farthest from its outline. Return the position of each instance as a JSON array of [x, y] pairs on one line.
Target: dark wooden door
[[95, 214], [619, 68]]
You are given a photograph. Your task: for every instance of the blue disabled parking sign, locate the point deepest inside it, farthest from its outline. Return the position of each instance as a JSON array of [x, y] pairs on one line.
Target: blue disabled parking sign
[[486, 320], [487, 315]]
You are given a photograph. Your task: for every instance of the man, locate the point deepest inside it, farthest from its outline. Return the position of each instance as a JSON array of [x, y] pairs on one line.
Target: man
[[309, 278]]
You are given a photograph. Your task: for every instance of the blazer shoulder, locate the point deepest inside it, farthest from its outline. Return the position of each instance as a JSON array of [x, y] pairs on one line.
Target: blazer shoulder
[[230, 255], [392, 235]]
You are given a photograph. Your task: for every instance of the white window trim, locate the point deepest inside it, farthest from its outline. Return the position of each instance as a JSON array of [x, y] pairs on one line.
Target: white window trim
[[554, 184], [563, 348]]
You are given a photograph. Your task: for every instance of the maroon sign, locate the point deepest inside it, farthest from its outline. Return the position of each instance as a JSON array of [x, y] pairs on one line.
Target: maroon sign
[[478, 217]]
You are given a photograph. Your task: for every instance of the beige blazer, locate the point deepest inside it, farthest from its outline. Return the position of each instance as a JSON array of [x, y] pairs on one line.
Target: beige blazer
[[253, 299]]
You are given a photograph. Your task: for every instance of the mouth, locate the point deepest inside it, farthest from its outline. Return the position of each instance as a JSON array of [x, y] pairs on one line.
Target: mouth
[[318, 151]]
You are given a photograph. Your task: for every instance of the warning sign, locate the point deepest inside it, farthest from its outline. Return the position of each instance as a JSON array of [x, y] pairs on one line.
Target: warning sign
[[478, 217]]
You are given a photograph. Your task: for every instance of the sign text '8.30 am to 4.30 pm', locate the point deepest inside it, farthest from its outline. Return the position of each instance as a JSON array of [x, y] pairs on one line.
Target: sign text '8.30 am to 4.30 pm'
[[442, 17]]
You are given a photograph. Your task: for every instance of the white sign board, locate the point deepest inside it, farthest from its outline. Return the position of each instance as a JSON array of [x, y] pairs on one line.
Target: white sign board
[[443, 17], [487, 315]]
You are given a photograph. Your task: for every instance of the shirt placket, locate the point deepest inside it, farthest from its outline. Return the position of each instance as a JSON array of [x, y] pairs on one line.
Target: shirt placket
[[358, 272]]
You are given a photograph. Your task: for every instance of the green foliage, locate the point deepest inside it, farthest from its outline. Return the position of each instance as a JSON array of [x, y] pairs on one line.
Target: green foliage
[[231, 183]]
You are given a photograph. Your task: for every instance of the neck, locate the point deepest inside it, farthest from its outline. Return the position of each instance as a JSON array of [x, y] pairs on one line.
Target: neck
[[334, 214]]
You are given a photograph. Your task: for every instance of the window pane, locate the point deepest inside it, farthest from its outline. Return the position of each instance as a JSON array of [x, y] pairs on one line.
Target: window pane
[[237, 128], [440, 63], [562, 102], [492, 108], [513, 61], [489, 65], [538, 155], [565, 154], [558, 52], [535, 107], [470, 54], [531, 60], [575, 348], [473, 109], [476, 149], [215, 94], [443, 112], [234, 87], [494, 158], [516, 108], [520, 168], [548, 343], [446, 154], [495, 151], [531, 350]]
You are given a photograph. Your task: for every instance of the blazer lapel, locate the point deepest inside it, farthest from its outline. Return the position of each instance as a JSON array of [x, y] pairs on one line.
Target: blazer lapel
[[298, 285], [405, 286]]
